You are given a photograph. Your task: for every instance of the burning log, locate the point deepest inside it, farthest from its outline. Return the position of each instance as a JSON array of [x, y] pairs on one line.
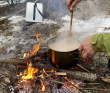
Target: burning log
[[14, 61], [30, 57], [74, 85], [82, 75], [79, 74]]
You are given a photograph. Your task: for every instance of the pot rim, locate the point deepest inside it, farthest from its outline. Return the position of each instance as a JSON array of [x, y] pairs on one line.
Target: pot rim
[[57, 50]]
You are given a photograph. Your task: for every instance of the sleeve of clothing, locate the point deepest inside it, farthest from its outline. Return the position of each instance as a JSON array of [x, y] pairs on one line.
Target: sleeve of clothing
[[101, 43]]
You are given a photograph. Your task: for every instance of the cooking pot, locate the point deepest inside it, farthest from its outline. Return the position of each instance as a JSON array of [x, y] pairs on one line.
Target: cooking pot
[[64, 59]]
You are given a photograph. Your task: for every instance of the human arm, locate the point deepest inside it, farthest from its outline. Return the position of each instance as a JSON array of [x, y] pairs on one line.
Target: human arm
[[95, 43], [71, 4]]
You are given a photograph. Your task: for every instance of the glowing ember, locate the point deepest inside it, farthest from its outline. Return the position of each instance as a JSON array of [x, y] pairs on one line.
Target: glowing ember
[[51, 71], [43, 88], [76, 84], [24, 55], [42, 76]]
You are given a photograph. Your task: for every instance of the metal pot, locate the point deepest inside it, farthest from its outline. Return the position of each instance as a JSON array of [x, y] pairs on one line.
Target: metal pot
[[64, 59]]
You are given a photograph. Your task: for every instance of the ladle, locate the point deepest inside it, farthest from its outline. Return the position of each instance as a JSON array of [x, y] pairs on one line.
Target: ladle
[[70, 33]]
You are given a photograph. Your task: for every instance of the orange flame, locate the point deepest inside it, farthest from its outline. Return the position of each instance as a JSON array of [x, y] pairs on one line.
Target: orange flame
[[51, 71], [36, 49], [75, 89], [42, 76], [26, 55], [75, 84], [30, 73], [43, 88], [37, 35]]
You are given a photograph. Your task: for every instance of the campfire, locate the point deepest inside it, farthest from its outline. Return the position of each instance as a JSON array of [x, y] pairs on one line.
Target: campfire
[[36, 79], [40, 76]]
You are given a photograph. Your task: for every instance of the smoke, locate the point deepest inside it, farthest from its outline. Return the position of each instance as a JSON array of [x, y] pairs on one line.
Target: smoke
[[89, 17]]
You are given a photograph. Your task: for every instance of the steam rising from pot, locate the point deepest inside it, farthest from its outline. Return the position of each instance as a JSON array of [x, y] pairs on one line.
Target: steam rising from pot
[[63, 43]]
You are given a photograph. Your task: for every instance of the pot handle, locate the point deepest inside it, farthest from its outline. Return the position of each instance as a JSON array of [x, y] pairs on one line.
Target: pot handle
[[87, 60]]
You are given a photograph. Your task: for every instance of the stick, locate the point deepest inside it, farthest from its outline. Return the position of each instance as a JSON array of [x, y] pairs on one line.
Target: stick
[[69, 32], [13, 14], [16, 12], [92, 83], [83, 75], [106, 80], [96, 89], [82, 68], [71, 20], [75, 86], [57, 73], [58, 82], [14, 61], [37, 86]]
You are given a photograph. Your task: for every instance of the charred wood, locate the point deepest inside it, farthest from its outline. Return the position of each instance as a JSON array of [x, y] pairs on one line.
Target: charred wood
[[50, 88], [60, 78], [37, 86], [75, 86]]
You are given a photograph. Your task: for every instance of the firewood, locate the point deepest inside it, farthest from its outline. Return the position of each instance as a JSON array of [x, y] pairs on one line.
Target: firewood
[[83, 75], [74, 86], [50, 88], [37, 86], [14, 61], [106, 80], [29, 57], [78, 65], [96, 89], [57, 73], [58, 82]]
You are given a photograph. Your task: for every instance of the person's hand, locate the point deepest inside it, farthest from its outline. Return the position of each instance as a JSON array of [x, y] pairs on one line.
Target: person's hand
[[86, 48], [71, 4]]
